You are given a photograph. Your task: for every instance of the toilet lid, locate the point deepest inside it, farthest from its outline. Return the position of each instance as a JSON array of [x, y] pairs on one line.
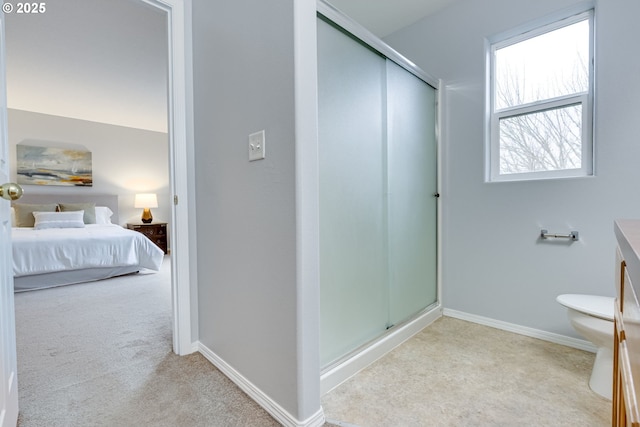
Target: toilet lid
[[593, 305]]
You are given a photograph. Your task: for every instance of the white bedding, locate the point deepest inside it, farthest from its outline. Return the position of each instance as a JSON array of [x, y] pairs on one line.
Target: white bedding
[[94, 246]]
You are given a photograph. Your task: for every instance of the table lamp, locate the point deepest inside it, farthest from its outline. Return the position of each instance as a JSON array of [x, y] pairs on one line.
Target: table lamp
[[146, 201]]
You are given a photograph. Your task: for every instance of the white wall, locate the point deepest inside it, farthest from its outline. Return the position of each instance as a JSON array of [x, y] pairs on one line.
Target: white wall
[[125, 160], [493, 264], [252, 307], [97, 60]]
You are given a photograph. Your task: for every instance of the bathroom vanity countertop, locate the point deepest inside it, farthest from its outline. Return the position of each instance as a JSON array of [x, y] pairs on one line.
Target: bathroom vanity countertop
[[628, 235]]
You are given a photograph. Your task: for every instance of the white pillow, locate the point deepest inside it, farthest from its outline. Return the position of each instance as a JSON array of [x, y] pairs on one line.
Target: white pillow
[[70, 219], [103, 215]]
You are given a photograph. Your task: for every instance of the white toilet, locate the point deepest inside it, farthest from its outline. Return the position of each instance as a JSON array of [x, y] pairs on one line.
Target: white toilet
[[592, 317]]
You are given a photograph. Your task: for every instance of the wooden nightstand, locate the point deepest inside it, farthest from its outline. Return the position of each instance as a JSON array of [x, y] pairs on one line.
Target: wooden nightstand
[[155, 231]]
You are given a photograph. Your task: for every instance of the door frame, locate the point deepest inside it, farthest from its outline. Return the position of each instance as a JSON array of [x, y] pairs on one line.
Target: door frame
[[181, 155]]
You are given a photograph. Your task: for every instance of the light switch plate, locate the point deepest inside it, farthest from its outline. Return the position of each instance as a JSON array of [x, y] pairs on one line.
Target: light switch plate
[[256, 146]]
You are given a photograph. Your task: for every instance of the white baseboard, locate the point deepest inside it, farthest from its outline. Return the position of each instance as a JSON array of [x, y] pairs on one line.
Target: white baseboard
[[522, 330], [273, 408], [338, 374], [342, 372]]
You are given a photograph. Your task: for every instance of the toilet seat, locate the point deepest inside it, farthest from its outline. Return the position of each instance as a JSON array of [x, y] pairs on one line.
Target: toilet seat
[[593, 305]]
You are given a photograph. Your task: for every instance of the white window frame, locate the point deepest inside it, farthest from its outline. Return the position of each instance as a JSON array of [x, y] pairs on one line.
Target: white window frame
[[585, 99]]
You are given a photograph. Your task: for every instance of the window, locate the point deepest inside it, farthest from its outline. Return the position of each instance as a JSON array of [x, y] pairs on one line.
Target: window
[[541, 102]]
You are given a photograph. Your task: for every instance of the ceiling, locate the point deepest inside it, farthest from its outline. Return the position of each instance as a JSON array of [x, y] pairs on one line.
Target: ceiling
[[383, 17], [106, 60]]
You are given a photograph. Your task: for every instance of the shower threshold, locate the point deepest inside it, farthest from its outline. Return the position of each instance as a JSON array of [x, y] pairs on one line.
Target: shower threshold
[[344, 368]]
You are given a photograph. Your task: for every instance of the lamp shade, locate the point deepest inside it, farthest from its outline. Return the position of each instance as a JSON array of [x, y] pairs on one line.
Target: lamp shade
[[146, 200]]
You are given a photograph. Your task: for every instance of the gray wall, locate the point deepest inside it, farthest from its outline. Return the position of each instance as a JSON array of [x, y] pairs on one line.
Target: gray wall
[[493, 265], [125, 160], [243, 64]]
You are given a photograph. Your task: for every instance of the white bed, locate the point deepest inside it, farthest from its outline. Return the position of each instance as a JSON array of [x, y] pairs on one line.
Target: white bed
[[43, 258]]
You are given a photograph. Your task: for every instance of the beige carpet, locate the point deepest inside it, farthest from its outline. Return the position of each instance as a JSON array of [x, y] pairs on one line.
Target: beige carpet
[[456, 373], [99, 354]]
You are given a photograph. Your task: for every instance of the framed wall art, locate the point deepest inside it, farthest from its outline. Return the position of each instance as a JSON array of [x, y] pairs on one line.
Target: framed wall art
[[37, 165]]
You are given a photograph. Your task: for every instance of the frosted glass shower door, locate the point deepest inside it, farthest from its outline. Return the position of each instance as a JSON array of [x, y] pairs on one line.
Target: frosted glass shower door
[[412, 185], [377, 174], [353, 265]]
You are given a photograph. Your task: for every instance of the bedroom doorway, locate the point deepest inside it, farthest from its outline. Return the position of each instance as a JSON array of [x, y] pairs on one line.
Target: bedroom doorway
[[124, 72], [181, 216]]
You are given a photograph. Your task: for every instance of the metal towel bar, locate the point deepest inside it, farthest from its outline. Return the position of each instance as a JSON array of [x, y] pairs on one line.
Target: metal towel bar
[[573, 235]]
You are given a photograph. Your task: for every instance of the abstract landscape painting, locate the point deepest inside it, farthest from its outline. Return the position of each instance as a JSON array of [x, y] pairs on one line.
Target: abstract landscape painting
[[54, 166]]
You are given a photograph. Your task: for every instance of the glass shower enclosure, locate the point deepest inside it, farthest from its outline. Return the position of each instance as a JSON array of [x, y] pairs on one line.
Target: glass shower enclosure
[[378, 188]]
